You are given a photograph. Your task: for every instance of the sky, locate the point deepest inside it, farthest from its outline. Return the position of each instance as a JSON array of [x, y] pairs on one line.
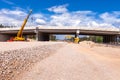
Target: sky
[[87, 13]]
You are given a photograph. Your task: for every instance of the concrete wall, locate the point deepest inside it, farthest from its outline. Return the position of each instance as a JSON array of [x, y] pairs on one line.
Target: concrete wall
[[39, 37], [4, 37]]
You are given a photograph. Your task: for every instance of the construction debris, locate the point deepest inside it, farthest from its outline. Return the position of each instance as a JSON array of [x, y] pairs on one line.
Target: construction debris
[[14, 59]]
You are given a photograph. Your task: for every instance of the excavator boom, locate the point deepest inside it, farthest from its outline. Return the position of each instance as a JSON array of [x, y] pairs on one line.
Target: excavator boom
[[19, 36]]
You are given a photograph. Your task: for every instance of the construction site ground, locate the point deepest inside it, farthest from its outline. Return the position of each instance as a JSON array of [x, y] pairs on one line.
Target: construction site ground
[[83, 61]]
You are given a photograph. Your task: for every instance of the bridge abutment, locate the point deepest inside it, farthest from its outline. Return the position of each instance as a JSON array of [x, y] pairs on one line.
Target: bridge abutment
[[4, 37]]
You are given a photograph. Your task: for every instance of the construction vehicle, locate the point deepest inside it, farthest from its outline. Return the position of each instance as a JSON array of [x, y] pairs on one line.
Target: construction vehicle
[[76, 40], [19, 36]]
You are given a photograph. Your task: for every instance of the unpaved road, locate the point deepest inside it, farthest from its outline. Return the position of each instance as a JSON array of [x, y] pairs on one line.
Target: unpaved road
[[75, 62]]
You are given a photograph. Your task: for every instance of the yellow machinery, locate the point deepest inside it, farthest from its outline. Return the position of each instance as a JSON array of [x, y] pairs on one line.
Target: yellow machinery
[[76, 40], [19, 36]]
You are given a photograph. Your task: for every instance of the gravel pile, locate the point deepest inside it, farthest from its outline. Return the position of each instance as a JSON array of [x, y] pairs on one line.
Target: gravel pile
[[15, 58]]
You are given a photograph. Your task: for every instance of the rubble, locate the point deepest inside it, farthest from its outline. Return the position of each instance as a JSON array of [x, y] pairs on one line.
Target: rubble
[[18, 58]]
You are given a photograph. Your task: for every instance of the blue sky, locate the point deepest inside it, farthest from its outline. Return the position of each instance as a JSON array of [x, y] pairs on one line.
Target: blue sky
[[87, 13], [41, 5]]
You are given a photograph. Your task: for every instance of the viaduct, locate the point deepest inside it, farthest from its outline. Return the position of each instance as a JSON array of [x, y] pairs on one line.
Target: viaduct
[[42, 33]]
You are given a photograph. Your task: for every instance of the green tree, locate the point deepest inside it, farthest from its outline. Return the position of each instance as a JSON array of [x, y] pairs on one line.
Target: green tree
[[99, 39]]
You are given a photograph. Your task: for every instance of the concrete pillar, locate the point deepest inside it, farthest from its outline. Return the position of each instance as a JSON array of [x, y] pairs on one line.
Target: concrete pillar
[[37, 33], [77, 34], [109, 39], [118, 38], [104, 39], [40, 36], [113, 39], [25, 36]]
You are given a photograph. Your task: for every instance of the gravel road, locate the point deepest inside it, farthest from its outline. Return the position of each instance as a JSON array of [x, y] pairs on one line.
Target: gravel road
[[18, 57], [77, 62]]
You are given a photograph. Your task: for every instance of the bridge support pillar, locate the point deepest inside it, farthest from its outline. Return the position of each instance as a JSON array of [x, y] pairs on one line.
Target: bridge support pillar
[[118, 38], [76, 36], [37, 33], [25, 36], [109, 39], [40, 37]]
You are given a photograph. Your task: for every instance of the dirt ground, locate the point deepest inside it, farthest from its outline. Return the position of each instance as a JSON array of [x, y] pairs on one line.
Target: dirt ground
[[84, 61]]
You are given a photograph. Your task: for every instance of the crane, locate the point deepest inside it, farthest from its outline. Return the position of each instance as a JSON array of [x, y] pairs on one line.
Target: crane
[[19, 36]]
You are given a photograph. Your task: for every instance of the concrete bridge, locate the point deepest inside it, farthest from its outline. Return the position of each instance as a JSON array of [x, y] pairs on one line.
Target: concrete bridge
[[43, 33]]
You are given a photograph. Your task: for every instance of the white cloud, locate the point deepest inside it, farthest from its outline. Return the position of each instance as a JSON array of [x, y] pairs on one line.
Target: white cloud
[[64, 20], [63, 17], [59, 9], [84, 18], [111, 18], [37, 15], [11, 17], [76, 18], [12, 12], [8, 2], [40, 21], [16, 17]]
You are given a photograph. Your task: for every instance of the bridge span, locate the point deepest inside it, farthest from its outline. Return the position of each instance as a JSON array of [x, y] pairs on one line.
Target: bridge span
[[42, 33]]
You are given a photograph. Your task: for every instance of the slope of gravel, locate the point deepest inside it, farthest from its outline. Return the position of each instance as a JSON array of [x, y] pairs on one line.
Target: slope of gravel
[[17, 57]]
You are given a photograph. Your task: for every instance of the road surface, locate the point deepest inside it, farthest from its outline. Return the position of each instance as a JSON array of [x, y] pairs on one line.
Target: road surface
[[75, 62]]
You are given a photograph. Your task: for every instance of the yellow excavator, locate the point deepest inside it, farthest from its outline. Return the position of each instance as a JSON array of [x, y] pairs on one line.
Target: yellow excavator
[[19, 36], [76, 40]]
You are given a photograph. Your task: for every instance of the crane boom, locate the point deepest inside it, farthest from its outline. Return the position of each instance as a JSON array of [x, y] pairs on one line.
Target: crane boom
[[19, 36]]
